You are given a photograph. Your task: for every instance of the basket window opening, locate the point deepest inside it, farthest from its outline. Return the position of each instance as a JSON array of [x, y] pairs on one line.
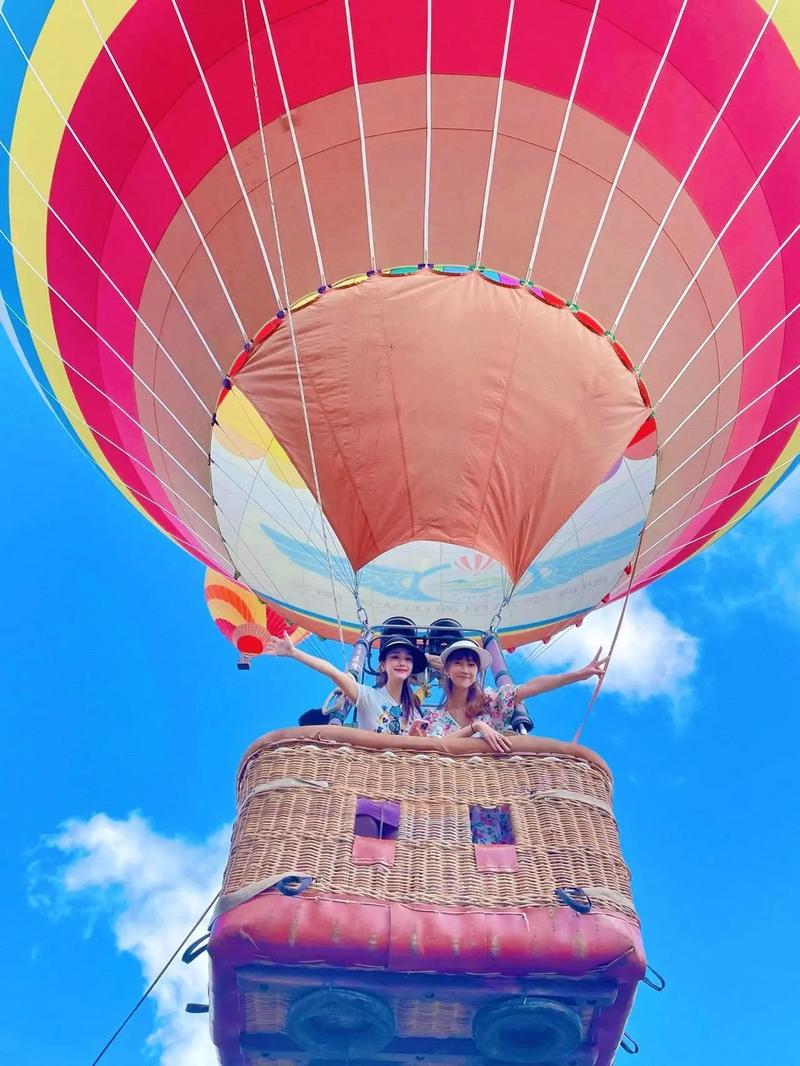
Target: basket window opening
[[376, 818], [493, 839]]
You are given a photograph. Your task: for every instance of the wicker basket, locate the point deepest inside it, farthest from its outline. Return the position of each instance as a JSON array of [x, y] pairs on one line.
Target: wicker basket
[[296, 810]]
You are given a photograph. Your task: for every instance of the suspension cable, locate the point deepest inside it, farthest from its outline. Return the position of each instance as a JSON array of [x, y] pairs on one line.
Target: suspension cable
[[361, 134], [717, 240], [682, 184], [559, 144], [624, 158], [495, 129], [152, 984]]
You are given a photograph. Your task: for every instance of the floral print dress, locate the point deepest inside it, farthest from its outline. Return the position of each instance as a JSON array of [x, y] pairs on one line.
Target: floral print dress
[[489, 825]]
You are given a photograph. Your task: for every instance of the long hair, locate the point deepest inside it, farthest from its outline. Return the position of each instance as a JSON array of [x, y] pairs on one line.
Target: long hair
[[474, 697], [409, 700]]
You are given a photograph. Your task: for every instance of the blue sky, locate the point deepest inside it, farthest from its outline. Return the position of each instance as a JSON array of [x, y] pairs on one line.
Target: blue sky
[[124, 718]]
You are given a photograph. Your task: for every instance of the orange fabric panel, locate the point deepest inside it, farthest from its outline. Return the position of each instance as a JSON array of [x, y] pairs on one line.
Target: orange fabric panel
[[446, 409]]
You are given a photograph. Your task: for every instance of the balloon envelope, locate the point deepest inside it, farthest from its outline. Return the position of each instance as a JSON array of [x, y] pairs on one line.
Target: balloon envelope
[[405, 420]]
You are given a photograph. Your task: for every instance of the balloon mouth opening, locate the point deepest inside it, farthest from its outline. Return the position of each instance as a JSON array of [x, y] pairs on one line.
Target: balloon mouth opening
[[496, 277]]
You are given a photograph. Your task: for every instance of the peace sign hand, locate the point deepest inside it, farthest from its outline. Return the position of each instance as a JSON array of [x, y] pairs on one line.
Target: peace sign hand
[[596, 668]]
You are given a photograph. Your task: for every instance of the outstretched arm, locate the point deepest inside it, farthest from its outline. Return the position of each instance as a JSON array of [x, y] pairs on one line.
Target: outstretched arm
[[547, 682], [283, 647]]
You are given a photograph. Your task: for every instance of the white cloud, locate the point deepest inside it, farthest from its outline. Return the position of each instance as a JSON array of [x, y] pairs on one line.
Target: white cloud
[[653, 656], [783, 505], [151, 888]]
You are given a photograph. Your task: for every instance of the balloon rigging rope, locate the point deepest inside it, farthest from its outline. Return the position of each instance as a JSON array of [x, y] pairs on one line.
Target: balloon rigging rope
[[733, 459], [706, 536], [631, 140], [756, 184], [728, 312], [128, 367], [730, 372], [156, 262], [361, 135], [310, 530], [211, 259], [153, 258], [735, 492], [289, 313], [226, 141], [495, 128], [293, 134], [226, 562], [579, 731], [560, 142], [730, 421], [152, 984], [676, 195], [170, 173], [428, 132]]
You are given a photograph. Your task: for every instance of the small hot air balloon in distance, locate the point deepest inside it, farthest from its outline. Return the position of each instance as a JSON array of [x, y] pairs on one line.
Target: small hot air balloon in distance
[[243, 619]]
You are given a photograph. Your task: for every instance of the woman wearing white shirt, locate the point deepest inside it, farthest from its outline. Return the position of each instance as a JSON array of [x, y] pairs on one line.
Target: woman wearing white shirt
[[392, 706]]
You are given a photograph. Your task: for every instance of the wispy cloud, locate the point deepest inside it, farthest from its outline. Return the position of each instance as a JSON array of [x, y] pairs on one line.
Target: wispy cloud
[[654, 658], [150, 888]]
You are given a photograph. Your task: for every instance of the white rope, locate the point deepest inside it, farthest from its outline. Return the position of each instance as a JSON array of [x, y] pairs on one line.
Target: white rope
[[346, 579], [128, 367], [96, 333], [729, 311], [292, 133], [717, 119], [593, 699], [115, 403], [631, 140], [716, 244], [730, 421], [170, 173], [145, 326], [259, 477], [104, 274], [295, 349], [428, 134], [361, 135], [733, 459], [147, 433], [710, 507], [225, 140], [181, 302], [732, 370], [495, 130], [559, 144], [112, 349]]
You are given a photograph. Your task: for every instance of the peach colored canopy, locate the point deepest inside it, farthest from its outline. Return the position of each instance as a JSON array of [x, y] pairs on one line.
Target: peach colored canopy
[[446, 409]]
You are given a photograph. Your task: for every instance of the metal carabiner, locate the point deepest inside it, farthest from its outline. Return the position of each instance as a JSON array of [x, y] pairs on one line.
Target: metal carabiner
[[627, 1043], [574, 897], [659, 984]]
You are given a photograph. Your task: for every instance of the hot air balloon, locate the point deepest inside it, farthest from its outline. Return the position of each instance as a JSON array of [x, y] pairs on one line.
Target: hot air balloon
[[342, 293], [243, 619]]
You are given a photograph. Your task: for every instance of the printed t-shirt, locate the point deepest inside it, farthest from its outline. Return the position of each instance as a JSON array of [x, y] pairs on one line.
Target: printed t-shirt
[[377, 712]]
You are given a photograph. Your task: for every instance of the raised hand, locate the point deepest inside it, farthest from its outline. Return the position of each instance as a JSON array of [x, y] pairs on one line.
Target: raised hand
[[278, 646], [596, 668]]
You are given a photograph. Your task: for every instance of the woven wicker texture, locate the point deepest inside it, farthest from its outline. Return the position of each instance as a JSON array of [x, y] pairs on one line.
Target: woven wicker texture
[[564, 831]]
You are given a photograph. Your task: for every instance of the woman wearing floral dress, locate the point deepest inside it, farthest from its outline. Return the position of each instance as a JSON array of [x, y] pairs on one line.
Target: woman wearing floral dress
[[469, 710]]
